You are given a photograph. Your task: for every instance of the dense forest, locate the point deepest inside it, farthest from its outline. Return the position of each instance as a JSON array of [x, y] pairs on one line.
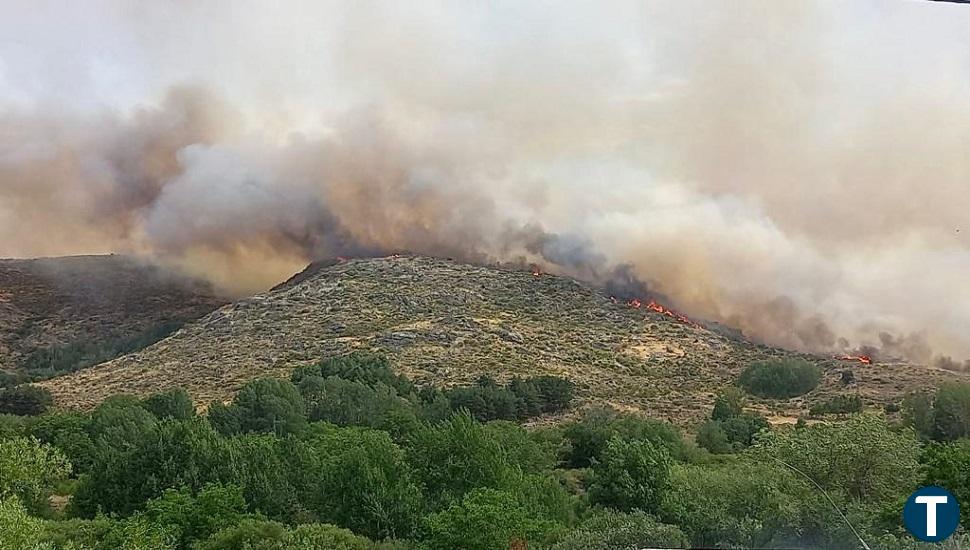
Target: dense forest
[[348, 455]]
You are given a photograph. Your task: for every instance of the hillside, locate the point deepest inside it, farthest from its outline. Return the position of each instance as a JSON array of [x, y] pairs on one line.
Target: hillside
[[444, 322], [90, 300]]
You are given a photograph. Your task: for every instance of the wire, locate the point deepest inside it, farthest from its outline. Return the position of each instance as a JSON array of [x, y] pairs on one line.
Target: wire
[[827, 497]]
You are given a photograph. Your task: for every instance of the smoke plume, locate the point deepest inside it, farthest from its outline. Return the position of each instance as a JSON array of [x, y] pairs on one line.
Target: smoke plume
[[794, 170]]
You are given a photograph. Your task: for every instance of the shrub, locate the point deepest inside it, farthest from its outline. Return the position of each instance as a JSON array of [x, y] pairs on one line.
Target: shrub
[[486, 519], [861, 457], [739, 505], [609, 530], [361, 367], [262, 405], [28, 468], [588, 436], [25, 400], [174, 403], [948, 465], [631, 475], [352, 403], [780, 379], [197, 517], [711, 436], [455, 456], [728, 404], [840, 404], [951, 411], [943, 415]]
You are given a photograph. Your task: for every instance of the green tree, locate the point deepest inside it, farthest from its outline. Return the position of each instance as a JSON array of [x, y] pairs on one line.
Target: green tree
[[197, 517], [174, 403], [948, 465], [742, 505], [29, 469], [631, 475], [861, 457], [18, 530], [485, 519], [609, 530], [352, 403], [455, 456], [365, 483], [367, 368], [262, 405], [588, 437], [780, 378], [951, 411], [728, 404], [25, 400], [69, 432], [711, 436]]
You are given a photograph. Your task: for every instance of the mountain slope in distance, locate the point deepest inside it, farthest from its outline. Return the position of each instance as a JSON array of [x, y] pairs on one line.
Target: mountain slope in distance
[[443, 322], [48, 302]]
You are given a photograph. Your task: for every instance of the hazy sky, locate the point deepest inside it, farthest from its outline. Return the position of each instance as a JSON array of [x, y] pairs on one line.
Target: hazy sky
[[800, 169]]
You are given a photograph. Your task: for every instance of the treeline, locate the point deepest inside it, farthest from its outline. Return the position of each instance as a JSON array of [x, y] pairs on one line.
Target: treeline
[[349, 455], [54, 361]]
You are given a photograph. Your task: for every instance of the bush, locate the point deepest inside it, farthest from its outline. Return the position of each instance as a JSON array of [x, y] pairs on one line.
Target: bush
[[174, 403], [361, 367], [631, 475], [588, 436], [739, 505], [263, 405], [861, 457], [948, 465], [728, 404], [609, 530], [486, 519], [712, 437], [951, 411], [455, 456], [352, 403], [197, 517], [780, 379], [840, 404], [943, 415], [25, 400], [29, 468]]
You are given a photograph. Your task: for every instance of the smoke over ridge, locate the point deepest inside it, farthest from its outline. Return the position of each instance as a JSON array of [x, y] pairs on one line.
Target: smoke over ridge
[[792, 169]]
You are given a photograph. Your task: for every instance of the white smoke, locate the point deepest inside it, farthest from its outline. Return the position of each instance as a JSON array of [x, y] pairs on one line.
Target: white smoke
[[795, 169]]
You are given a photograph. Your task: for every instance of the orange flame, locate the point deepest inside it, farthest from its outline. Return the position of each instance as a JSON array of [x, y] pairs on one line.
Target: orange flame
[[637, 304], [536, 272], [864, 359]]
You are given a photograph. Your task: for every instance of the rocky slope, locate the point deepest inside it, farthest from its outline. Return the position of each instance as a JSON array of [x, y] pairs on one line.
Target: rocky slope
[[59, 301], [445, 322]]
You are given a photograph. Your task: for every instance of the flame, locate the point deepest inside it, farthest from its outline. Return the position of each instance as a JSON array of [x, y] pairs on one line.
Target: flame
[[536, 272], [635, 303], [864, 359]]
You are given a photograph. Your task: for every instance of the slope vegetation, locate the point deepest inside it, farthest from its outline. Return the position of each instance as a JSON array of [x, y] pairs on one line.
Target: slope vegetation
[[445, 322]]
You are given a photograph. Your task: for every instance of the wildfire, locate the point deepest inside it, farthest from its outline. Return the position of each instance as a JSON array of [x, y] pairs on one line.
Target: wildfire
[[652, 305], [864, 359], [536, 272], [341, 259]]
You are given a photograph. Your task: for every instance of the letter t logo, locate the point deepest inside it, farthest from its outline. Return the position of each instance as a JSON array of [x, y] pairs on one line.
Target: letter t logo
[[930, 502]]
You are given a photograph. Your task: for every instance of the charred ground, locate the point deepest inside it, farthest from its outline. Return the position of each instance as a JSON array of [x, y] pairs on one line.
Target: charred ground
[[445, 322], [49, 303]]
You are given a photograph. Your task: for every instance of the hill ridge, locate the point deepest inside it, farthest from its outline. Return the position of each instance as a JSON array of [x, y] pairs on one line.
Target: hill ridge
[[442, 322]]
